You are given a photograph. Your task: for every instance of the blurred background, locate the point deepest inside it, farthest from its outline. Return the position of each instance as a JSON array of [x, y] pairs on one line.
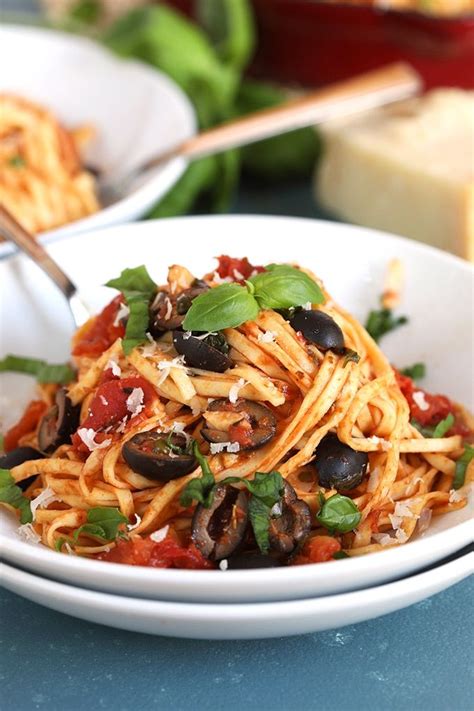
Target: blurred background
[[233, 57]]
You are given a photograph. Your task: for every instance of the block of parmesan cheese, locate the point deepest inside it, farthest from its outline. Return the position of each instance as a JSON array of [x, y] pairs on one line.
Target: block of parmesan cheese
[[407, 169]]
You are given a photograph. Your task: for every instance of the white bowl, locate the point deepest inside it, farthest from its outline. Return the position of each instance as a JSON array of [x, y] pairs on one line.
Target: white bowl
[[237, 621], [137, 111], [34, 321]]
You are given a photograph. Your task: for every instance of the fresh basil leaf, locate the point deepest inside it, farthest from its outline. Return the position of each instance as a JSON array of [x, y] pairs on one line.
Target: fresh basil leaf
[[443, 426], [11, 494], [383, 321], [417, 371], [350, 356], [266, 487], [43, 371], [102, 522], [339, 513], [259, 515], [137, 287], [86, 11], [200, 489], [282, 286], [338, 555], [461, 466], [230, 26], [425, 430], [225, 306]]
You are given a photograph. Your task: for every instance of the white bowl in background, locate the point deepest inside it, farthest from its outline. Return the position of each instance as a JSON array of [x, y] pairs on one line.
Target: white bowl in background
[[136, 111], [34, 321]]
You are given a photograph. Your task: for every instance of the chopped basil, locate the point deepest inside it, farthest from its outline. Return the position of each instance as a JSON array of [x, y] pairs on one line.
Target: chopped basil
[[338, 513], [415, 371], [461, 466], [43, 371], [137, 287], [350, 356], [443, 426], [282, 286], [102, 522], [201, 488], [383, 321], [17, 162], [11, 494], [86, 11], [338, 555]]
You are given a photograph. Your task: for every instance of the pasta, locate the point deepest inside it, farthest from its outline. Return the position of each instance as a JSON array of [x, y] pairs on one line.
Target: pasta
[[42, 181], [267, 436]]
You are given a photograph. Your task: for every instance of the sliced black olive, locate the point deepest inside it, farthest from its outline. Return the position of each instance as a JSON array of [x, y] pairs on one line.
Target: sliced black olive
[[292, 525], [220, 529], [257, 426], [158, 456], [167, 311], [252, 559], [320, 329], [19, 456], [58, 424], [207, 353], [339, 466]]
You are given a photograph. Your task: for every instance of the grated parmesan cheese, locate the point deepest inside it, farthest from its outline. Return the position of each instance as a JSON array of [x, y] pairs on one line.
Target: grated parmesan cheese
[[238, 275], [160, 535], [307, 306], [402, 509], [455, 496], [384, 539], [132, 526], [169, 308], [234, 390], [135, 402], [379, 440], [114, 367], [46, 497], [218, 447], [276, 509], [123, 423], [123, 312], [88, 437], [224, 564], [28, 533], [267, 337], [420, 400], [401, 536], [103, 400]]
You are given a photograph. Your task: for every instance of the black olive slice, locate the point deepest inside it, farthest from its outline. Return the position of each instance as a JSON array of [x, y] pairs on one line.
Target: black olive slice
[[18, 456], [320, 329], [220, 529], [292, 525], [201, 352], [259, 421], [339, 466], [251, 560], [167, 311], [58, 424], [158, 456]]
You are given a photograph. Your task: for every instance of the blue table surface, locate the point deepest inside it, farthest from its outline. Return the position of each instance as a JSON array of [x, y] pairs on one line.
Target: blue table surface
[[417, 659]]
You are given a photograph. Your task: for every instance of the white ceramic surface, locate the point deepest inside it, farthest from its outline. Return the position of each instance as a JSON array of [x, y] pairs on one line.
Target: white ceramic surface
[[35, 321], [136, 110], [237, 621]]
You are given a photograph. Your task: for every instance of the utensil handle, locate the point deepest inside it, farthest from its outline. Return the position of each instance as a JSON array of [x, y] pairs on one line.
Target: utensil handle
[[11, 230], [382, 86]]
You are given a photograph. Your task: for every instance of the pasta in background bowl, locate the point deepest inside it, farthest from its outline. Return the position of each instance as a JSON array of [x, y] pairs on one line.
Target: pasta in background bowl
[[355, 281]]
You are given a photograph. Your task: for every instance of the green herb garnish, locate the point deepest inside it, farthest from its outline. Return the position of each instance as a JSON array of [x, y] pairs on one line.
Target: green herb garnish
[[86, 11], [443, 426], [43, 372], [417, 371], [229, 305], [202, 488], [350, 356], [338, 513], [10, 493], [102, 522], [17, 162], [137, 287], [461, 466], [383, 321], [338, 555]]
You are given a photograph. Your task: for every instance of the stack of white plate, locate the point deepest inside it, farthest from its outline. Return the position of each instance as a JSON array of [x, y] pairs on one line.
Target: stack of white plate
[[251, 603]]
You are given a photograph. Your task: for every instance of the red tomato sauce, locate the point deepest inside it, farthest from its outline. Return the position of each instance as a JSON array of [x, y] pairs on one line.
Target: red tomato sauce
[[100, 333], [165, 554], [319, 549], [27, 423], [236, 268]]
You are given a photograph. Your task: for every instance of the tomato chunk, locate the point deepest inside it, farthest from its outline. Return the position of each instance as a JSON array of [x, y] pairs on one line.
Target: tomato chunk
[[318, 550], [27, 423], [237, 269], [438, 406], [101, 332], [165, 554]]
